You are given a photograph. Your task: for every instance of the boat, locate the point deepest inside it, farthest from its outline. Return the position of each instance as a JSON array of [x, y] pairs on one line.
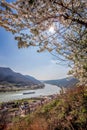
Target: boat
[[28, 93]]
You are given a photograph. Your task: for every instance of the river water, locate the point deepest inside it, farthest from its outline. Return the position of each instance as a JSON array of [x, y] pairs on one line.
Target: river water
[[47, 90]]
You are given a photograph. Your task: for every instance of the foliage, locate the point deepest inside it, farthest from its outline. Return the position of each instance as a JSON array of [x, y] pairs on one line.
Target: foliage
[[3, 120], [67, 112], [31, 20], [78, 52]]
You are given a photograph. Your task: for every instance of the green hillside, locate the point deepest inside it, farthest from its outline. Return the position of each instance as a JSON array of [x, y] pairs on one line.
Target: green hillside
[[67, 112]]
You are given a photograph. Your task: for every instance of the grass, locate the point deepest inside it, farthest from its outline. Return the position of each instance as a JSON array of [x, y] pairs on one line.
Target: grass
[[67, 112]]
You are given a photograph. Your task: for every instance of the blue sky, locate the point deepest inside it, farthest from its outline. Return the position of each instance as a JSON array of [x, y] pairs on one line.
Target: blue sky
[[27, 61]]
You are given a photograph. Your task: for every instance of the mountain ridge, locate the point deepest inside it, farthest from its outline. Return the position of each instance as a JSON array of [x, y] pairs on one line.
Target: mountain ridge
[[65, 82], [9, 77]]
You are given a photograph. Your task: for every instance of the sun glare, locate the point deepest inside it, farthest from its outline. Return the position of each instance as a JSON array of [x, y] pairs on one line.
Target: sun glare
[[51, 29]]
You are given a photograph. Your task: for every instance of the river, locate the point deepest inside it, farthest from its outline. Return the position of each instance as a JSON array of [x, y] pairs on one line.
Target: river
[[47, 90]]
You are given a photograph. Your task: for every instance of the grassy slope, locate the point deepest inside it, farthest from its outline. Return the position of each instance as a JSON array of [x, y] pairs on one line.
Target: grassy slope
[[67, 112]]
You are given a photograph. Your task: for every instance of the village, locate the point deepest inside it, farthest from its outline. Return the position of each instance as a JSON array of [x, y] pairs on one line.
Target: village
[[10, 110]]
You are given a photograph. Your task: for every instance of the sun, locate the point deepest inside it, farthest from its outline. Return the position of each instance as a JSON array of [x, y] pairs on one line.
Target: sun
[[51, 29]]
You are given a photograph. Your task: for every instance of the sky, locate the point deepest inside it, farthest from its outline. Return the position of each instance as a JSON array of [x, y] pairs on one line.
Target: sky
[[27, 61]]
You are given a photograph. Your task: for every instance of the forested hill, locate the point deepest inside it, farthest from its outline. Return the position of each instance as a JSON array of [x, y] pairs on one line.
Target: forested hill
[[8, 76], [66, 82]]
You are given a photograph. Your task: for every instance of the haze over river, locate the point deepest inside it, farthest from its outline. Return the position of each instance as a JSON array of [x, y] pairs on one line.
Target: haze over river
[[47, 90]]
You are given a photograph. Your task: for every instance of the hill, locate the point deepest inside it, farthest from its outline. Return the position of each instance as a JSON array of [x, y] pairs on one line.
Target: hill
[[66, 82], [67, 111], [9, 78]]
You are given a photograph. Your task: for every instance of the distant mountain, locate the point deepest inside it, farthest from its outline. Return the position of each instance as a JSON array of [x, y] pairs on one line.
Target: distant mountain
[[8, 76], [66, 82], [32, 79]]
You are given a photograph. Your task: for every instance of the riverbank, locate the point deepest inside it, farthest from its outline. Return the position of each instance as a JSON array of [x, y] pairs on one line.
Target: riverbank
[[15, 89], [18, 95], [12, 111]]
